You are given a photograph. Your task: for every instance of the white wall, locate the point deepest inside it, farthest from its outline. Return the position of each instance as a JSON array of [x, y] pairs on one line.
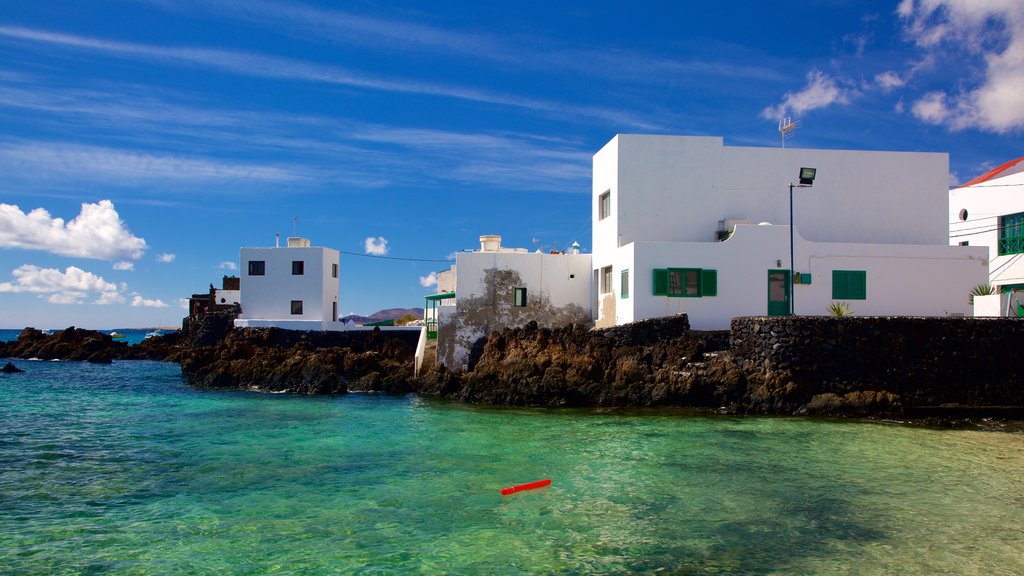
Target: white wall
[[225, 297], [269, 297], [984, 204], [557, 287], [677, 189], [913, 280]]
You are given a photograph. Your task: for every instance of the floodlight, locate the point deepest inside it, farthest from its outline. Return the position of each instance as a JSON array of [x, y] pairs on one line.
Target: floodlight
[[807, 176]]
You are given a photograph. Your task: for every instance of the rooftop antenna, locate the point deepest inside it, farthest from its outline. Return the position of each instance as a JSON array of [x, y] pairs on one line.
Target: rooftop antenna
[[295, 227], [787, 126]]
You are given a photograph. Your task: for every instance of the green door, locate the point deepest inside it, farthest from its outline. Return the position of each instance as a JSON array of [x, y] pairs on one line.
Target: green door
[[778, 292]]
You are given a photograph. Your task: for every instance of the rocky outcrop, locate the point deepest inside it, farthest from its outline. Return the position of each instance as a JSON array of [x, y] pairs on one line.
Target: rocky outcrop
[[657, 362], [10, 369], [69, 344], [273, 360]]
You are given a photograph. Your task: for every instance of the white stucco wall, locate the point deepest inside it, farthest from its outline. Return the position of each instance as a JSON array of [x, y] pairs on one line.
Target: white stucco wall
[[678, 188], [558, 290], [269, 297], [913, 280], [228, 296], [985, 203]]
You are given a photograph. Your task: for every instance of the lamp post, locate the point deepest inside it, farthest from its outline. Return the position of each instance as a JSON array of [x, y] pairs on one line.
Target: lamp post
[[806, 181]]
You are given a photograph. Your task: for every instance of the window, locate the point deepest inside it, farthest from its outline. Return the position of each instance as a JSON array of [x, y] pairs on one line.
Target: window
[[849, 285], [624, 286], [604, 205], [257, 268], [1011, 234], [965, 242], [606, 279], [334, 270], [296, 306], [298, 267], [519, 297], [685, 282]]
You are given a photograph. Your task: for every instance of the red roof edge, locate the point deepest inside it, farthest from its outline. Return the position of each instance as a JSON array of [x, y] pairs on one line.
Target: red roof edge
[[992, 173]]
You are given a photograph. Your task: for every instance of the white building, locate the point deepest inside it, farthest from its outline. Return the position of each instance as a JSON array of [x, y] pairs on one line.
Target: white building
[[988, 211], [688, 225], [295, 287], [498, 287]]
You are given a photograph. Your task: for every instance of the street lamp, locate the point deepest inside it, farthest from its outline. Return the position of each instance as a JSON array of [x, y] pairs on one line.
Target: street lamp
[[806, 181]]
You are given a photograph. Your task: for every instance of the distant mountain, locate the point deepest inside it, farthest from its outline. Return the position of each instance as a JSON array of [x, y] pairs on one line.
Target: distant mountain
[[389, 314]]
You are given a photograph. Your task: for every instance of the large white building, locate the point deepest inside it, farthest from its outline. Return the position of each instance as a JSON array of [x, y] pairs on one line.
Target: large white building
[[689, 225], [294, 287], [498, 287]]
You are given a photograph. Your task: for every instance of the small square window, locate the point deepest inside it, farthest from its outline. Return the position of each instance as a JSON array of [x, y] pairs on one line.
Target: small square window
[[604, 205], [257, 268], [519, 297], [296, 307], [298, 267], [334, 270]]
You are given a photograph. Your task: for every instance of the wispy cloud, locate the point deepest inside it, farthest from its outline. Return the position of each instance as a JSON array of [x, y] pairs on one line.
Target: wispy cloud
[[429, 280], [72, 286], [97, 232], [139, 302], [227, 265], [993, 31], [56, 159], [262, 65], [820, 91], [376, 246], [124, 266], [165, 258]]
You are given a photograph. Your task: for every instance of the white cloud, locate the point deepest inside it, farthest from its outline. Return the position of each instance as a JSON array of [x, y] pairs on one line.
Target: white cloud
[[97, 232], [183, 304], [165, 257], [124, 265], [377, 246], [72, 286], [227, 265], [992, 30], [932, 108], [429, 280], [889, 80], [139, 301], [821, 91]]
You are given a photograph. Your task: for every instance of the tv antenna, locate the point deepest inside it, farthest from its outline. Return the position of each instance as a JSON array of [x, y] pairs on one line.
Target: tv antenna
[[295, 227], [787, 126]]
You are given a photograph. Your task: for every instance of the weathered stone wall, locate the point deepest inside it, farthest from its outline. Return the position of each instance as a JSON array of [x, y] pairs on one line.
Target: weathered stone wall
[[908, 362]]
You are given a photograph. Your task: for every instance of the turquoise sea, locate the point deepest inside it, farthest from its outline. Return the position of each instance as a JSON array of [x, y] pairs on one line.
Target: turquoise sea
[[131, 335], [123, 469]]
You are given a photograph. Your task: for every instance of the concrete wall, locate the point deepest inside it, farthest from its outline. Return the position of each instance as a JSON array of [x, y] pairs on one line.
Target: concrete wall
[[984, 204], [558, 292], [269, 297], [932, 280]]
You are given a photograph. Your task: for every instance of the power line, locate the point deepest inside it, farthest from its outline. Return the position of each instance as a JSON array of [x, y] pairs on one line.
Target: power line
[[394, 257]]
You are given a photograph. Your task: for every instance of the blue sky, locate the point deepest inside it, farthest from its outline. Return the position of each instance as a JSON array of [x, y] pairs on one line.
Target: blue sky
[[143, 142]]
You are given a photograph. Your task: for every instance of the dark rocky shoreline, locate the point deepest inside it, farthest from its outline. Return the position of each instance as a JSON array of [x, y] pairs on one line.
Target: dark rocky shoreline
[[855, 367]]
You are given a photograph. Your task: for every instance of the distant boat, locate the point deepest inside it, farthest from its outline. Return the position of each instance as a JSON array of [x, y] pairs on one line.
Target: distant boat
[[115, 334], [153, 334]]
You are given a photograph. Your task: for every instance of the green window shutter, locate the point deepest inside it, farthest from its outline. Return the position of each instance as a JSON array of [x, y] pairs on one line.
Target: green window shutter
[[709, 282], [838, 285], [661, 282], [858, 285]]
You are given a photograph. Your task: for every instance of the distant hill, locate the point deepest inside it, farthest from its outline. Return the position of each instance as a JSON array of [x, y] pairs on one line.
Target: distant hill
[[389, 314]]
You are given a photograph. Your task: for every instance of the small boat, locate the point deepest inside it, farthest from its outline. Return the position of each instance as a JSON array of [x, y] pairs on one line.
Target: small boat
[[153, 334], [115, 335]]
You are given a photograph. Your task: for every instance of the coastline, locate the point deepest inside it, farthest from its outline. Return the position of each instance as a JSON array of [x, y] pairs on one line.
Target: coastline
[[812, 366]]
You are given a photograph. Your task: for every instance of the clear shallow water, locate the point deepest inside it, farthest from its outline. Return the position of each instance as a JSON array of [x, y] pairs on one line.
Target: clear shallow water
[[122, 469], [131, 335]]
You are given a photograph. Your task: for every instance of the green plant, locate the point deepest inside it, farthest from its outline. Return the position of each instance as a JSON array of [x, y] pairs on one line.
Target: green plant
[[981, 290], [839, 309]]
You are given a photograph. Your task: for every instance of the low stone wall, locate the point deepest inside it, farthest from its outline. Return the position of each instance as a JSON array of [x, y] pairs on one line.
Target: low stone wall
[[909, 362]]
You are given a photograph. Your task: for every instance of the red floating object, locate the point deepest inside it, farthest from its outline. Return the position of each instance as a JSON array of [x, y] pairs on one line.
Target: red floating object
[[527, 486]]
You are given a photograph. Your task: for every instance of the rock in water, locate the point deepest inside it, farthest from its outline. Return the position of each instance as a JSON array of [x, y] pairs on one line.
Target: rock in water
[[10, 369]]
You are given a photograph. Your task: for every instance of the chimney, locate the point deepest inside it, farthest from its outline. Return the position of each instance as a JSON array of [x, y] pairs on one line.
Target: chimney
[[490, 243]]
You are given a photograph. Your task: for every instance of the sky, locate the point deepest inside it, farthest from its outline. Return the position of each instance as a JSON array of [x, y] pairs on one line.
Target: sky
[[143, 142]]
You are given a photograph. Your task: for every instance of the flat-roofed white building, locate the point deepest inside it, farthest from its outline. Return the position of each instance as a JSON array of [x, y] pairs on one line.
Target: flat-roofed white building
[[988, 211], [293, 287], [689, 225]]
